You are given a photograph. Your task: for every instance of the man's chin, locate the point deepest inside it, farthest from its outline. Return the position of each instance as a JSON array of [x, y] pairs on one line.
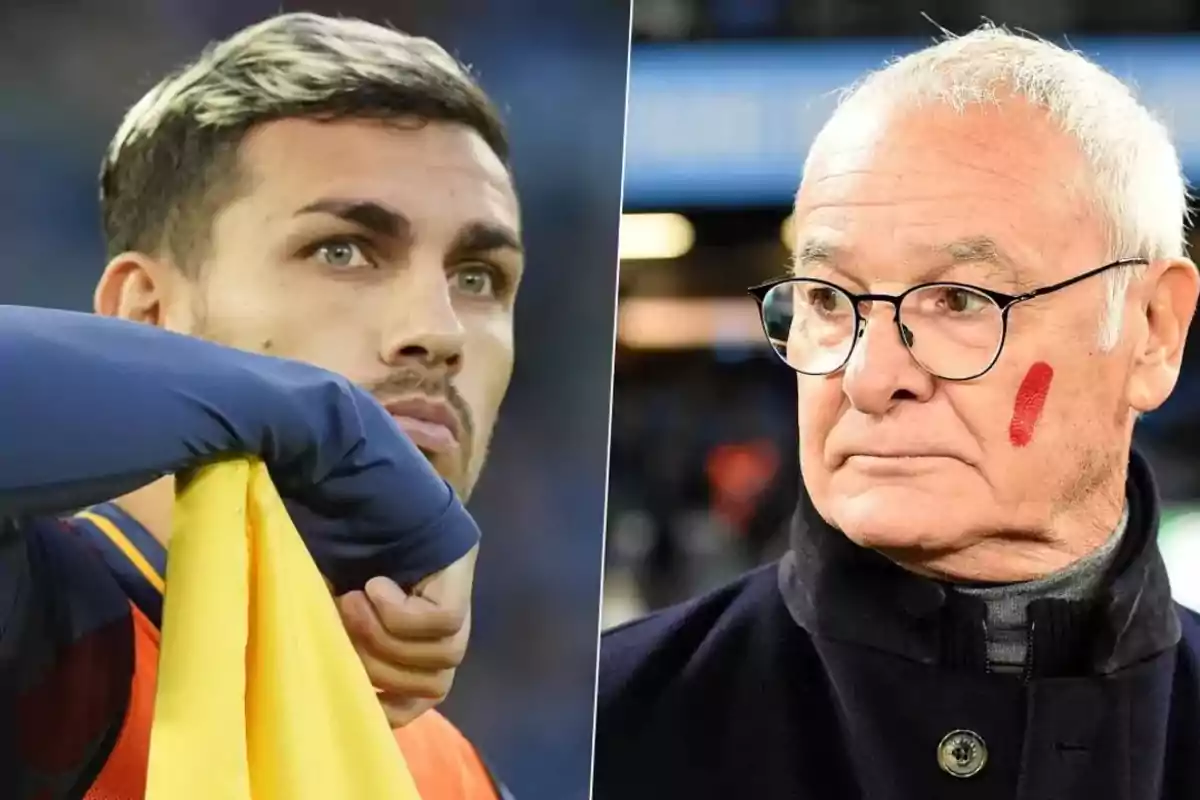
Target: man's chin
[[894, 518]]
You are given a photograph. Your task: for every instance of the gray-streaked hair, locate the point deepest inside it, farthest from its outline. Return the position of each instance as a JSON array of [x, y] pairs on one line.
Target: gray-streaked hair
[[1136, 180], [173, 163]]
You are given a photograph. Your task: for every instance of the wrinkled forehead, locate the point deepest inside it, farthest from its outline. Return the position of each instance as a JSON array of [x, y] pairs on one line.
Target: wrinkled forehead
[[906, 193]]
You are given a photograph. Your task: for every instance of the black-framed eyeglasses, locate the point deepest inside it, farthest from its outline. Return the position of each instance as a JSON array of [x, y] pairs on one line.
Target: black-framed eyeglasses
[[954, 331]]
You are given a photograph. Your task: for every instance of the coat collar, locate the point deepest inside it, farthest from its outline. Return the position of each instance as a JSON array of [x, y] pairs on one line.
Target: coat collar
[[837, 590]]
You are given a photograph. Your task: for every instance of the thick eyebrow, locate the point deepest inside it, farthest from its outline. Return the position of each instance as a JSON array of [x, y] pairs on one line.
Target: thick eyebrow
[[373, 216], [814, 251], [974, 250], [484, 237], [967, 250]]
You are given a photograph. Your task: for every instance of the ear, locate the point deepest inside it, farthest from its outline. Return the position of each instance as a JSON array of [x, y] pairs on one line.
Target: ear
[[136, 287], [1168, 300]]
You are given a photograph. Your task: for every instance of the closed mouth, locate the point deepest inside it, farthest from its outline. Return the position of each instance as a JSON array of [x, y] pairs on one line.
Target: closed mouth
[[431, 423]]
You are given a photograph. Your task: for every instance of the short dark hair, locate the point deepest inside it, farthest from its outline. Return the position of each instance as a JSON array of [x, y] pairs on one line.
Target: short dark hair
[[173, 163]]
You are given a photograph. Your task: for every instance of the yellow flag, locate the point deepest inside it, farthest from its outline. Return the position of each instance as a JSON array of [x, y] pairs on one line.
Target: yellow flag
[[260, 695]]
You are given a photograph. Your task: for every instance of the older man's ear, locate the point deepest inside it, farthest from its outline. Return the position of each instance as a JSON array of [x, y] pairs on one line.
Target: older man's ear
[[1168, 303]]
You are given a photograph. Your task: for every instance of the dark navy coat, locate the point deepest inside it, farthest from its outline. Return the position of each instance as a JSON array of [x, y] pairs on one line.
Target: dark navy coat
[[835, 675]]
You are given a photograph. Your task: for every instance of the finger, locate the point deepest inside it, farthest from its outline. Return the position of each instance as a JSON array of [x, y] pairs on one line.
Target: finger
[[412, 616], [409, 683], [365, 629], [357, 614], [424, 656]]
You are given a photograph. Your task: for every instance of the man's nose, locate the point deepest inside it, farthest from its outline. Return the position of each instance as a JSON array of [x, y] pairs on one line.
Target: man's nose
[[881, 371], [425, 326]]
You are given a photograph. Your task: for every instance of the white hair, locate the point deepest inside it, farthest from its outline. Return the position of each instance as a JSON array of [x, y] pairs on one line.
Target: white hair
[[1135, 176]]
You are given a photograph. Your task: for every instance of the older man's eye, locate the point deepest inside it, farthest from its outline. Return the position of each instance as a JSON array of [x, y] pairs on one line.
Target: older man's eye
[[341, 254]]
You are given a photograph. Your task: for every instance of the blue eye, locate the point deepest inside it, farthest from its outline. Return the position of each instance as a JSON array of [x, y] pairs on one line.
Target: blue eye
[[478, 281], [342, 254]]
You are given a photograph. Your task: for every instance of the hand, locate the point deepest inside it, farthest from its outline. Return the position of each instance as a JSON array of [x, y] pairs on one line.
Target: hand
[[412, 643]]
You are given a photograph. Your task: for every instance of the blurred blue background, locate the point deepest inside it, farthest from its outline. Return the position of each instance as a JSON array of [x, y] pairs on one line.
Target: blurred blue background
[[68, 71], [725, 97]]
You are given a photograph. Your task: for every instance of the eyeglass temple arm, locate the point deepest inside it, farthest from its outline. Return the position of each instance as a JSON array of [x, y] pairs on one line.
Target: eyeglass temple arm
[[1045, 290]]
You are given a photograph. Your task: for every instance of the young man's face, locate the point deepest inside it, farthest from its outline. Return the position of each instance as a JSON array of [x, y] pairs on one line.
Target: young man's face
[[387, 253]]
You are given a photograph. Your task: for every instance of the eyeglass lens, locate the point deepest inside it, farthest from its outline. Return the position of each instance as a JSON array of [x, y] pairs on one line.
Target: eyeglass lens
[[953, 331]]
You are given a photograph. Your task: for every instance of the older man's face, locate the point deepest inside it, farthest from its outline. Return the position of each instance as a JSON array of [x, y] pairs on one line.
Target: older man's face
[[884, 200]]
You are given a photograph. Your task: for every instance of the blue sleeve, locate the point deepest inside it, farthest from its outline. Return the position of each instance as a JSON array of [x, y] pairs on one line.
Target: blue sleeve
[[94, 407]]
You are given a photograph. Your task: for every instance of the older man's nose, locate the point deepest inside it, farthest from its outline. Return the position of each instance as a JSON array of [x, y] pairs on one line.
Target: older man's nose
[[881, 370]]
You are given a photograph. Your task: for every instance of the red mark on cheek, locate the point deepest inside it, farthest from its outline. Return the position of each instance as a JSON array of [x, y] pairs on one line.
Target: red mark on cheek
[[1031, 397]]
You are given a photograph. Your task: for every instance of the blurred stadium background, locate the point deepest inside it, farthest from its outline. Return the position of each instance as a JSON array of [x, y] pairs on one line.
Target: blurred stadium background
[[68, 71], [724, 98]]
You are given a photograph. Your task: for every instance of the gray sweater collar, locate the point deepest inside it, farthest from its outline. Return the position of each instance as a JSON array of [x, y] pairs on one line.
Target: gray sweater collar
[[1007, 604]]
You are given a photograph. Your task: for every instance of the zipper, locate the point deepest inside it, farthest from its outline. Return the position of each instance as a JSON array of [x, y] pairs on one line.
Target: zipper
[[987, 659], [1027, 673]]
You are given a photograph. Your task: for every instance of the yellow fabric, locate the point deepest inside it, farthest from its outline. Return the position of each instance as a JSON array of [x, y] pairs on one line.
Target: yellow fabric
[[260, 695]]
